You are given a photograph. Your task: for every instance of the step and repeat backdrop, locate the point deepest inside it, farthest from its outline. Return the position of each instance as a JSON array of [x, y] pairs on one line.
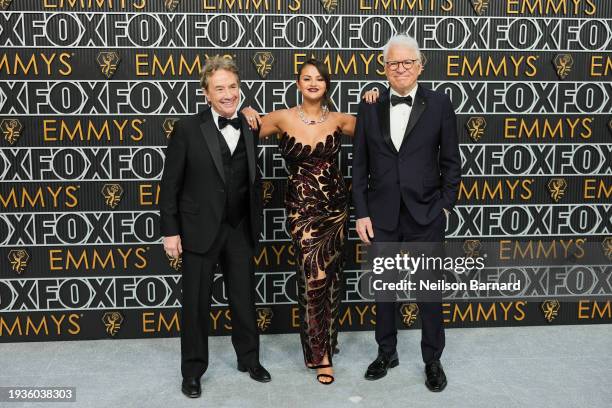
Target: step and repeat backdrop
[[90, 90]]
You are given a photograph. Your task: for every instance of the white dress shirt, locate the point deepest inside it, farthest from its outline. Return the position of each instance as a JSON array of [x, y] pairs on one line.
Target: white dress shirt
[[399, 116], [230, 134]]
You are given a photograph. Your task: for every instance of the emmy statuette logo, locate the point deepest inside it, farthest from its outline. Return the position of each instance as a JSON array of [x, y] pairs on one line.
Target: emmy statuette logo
[[175, 263], [550, 308], [168, 126], [112, 194], [18, 258], [11, 130], [329, 5], [409, 311], [563, 65], [112, 322], [263, 61], [267, 190], [479, 6], [471, 247], [171, 4], [557, 187], [108, 62], [264, 318], [476, 127], [5, 4]]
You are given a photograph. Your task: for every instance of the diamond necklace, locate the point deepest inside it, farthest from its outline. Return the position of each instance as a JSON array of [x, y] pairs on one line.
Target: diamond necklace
[[312, 122]]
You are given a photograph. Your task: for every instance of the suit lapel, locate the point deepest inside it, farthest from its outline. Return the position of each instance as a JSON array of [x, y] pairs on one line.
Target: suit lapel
[[209, 132], [250, 147], [418, 107], [384, 117]]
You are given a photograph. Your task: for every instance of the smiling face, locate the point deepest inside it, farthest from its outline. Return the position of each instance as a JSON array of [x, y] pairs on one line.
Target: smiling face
[[223, 92], [402, 80], [311, 83]]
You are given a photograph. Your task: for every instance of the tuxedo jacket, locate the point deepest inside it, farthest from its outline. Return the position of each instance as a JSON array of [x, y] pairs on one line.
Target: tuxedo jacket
[[192, 190], [424, 173]]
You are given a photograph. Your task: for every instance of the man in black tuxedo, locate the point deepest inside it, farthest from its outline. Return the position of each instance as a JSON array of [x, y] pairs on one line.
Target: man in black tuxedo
[[210, 207], [406, 173]]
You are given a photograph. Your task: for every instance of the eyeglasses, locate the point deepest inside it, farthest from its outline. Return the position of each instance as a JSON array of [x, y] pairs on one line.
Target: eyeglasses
[[407, 64]]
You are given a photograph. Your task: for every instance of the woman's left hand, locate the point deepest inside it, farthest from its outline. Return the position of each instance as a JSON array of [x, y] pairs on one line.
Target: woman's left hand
[[371, 96]]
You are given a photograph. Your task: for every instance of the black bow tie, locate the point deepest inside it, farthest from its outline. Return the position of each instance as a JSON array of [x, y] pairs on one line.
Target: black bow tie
[[401, 99], [223, 122]]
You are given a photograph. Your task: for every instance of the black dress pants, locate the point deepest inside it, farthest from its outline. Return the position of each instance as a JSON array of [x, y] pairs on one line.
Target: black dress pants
[[233, 251], [432, 333]]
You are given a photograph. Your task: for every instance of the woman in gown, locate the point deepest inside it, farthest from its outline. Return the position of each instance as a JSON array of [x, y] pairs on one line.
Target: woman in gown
[[316, 203]]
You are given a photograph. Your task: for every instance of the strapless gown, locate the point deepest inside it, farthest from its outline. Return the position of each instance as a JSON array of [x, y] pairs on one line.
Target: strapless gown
[[316, 202]]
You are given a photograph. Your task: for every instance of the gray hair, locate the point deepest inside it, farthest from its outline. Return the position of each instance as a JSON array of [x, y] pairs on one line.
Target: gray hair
[[403, 40], [214, 64]]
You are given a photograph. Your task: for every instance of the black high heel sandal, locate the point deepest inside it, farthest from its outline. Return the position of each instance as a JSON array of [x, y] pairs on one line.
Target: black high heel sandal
[[322, 375]]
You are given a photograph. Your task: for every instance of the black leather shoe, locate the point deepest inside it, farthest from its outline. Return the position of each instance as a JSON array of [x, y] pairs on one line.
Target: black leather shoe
[[436, 379], [191, 387], [258, 373], [378, 368]]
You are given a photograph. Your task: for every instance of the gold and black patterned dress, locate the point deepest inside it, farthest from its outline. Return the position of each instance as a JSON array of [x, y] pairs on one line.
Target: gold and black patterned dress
[[317, 209]]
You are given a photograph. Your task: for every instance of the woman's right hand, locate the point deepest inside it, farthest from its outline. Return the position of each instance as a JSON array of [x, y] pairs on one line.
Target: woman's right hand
[[252, 117]]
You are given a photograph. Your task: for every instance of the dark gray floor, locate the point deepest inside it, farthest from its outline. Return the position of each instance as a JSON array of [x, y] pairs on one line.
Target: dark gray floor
[[560, 366]]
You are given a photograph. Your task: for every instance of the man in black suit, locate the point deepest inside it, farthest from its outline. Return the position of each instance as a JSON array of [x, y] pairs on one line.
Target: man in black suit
[[406, 173], [210, 207]]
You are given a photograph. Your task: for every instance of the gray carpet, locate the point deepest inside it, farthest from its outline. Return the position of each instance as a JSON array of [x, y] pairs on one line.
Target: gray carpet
[[557, 366]]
